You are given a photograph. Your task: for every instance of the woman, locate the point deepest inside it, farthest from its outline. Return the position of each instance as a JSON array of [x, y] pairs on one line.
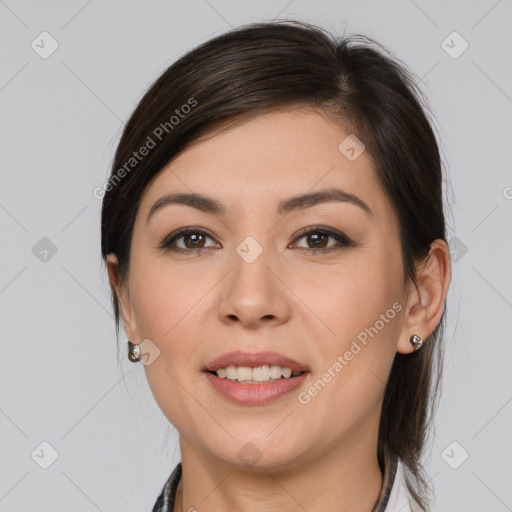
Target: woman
[[274, 234]]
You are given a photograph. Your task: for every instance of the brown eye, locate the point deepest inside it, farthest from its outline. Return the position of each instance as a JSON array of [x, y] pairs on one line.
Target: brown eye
[[317, 239], [192, 239]]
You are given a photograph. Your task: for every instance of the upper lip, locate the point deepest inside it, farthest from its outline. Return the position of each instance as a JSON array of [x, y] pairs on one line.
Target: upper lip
[[253, 360]]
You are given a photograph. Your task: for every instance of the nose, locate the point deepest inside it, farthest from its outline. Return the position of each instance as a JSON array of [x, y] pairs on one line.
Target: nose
[[253, 295]]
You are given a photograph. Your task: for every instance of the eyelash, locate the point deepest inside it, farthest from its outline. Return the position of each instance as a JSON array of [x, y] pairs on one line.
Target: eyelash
[[166, 243]]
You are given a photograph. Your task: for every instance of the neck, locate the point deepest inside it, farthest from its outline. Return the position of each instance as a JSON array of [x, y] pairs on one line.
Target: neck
[[344, 478]]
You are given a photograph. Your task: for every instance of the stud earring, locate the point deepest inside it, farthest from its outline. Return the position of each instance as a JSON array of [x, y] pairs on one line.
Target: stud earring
[[416, 341], [133, 352]]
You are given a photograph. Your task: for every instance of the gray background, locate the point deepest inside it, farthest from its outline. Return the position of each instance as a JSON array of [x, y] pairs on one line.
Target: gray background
[[61, 118]]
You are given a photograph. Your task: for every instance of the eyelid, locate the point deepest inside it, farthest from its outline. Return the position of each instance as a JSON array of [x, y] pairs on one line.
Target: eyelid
[[333, 233], [342, 239], [179, 233]]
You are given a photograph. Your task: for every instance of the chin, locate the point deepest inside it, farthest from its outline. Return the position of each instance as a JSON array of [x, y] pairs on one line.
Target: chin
[[260, 453]]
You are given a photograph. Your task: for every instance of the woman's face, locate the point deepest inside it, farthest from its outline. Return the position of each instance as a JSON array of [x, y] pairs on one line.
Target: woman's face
[[248, 280]]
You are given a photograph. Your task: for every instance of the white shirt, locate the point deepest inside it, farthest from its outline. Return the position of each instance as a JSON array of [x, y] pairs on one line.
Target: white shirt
[[399, 500]]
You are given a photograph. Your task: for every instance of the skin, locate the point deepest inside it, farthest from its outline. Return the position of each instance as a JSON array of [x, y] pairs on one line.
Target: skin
[[293, 299]]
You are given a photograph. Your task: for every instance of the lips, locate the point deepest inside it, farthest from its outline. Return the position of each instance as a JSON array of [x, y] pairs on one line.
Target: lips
[[253, 360], [256, 394]]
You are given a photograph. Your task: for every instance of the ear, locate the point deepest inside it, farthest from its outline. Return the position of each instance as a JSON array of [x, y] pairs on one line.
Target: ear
[[426, 298], [123, 296]]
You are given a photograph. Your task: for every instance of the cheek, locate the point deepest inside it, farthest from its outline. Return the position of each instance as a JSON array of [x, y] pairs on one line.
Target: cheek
[[355, 363], [163, 298], [362, 309], [163, 303], [353, 297]]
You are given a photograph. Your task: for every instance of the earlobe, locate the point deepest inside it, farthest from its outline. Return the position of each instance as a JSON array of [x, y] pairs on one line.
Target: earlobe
[[123, 297], [426, 298]]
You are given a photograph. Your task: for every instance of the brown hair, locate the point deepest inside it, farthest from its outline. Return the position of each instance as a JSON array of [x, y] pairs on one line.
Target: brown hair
[[271, 65]]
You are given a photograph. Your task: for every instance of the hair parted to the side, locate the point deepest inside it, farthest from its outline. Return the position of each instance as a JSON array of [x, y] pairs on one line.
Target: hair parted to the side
[[262, 67]]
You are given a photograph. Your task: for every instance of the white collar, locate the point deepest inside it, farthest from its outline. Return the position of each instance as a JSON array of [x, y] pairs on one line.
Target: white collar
[[399, 500]]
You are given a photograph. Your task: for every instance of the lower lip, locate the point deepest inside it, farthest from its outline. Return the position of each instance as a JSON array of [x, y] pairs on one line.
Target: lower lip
[[255, 394]]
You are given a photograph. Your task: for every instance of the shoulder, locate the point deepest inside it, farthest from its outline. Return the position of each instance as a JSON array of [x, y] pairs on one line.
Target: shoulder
[[399, 499]]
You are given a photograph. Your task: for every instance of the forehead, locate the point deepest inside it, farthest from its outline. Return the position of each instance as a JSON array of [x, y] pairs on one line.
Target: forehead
[[272, 157]]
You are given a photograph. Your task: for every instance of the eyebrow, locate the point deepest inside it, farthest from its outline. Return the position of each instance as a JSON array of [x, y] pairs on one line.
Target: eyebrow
[[300, 202]]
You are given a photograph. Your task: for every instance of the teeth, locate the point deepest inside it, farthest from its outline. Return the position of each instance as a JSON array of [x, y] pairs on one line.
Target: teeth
[[249, 375], [275, 372]]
